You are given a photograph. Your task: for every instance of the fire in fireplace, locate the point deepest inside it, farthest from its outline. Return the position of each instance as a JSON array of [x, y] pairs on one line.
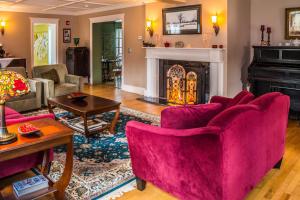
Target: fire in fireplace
[[184, 82]]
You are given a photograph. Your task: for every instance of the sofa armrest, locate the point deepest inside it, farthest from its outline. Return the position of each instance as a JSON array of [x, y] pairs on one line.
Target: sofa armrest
[[189, 116], [221, 100], [27, 119], [77, 80], [36, 86], [184, 157], [48, 89]]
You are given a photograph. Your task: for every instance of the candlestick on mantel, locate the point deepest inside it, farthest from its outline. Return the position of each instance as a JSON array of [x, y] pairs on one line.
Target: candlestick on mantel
[[269, 31], [262, 29]]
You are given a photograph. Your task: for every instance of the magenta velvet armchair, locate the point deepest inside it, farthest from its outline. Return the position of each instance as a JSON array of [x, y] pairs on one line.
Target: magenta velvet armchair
[[223, 160], [24, 163]]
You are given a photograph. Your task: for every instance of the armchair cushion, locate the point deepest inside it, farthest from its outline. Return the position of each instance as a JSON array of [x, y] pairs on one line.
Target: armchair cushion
[[77, 80], [65, 88], [51, 75], [189, 116]]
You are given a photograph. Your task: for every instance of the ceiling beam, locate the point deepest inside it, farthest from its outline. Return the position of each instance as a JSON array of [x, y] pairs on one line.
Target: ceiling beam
[[65, 4]]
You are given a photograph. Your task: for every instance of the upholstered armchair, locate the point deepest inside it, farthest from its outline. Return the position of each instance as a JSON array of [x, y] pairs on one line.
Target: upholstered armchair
[[224, 158], [31, 101], [66, 83]]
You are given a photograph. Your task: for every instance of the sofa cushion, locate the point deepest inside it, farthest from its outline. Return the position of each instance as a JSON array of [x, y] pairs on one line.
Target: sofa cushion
[[12, 114], [31, 95], [65, 88], [189, 116], [51, 75], [243, 97]]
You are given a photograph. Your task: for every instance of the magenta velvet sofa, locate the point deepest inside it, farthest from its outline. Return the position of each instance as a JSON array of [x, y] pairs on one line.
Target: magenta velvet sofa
[[222, 159], [24, 163]]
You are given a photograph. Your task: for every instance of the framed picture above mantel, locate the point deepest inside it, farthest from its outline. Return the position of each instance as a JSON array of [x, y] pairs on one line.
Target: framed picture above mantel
[[182, 20], [292, 29]]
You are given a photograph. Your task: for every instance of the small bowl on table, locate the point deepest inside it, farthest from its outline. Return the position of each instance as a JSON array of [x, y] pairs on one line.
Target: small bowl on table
[[28, 129], [77, 96]]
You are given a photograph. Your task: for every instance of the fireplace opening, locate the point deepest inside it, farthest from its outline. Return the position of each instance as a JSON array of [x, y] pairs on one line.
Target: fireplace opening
[[183, 82]]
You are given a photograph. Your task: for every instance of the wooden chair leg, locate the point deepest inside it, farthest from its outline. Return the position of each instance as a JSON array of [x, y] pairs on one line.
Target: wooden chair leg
[[141, 184], [278, 165]]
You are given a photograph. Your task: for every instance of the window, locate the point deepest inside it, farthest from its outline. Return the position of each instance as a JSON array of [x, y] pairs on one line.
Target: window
[[119, 44]]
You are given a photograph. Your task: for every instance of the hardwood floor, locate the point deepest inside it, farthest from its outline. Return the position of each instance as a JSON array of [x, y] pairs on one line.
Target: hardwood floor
[[283, 184]]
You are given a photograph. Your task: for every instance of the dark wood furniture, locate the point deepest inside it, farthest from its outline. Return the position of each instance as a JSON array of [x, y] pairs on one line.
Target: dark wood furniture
[[53, 134], [18, 62], [277, 68], [91, 105], [77, 61], [107, 70]]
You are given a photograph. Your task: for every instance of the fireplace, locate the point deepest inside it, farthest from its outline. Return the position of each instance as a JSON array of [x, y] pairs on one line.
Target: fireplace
[[183, 82]]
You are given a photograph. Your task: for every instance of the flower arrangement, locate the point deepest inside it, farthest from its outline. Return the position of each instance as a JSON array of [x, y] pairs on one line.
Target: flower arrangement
[[12, 84]]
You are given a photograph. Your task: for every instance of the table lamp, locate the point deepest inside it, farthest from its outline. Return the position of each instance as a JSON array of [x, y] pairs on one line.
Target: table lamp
[[12, 84]]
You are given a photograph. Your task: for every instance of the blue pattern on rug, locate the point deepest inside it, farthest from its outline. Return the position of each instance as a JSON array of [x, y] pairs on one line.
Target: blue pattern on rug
[[103, 147]]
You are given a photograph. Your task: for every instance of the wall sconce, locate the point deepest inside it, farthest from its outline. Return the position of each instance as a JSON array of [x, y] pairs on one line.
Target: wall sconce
[[214, 20], [2, 25], [149, 27]]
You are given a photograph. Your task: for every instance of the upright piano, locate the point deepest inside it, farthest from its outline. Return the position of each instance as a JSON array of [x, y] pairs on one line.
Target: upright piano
[[277, 68]]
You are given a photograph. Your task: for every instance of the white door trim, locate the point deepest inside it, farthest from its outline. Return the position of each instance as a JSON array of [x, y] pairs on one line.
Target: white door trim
[[107, 18], [34, 20]]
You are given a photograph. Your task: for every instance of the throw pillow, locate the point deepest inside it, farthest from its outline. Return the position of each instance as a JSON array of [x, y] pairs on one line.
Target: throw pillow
[[51, 75], [189, 116]]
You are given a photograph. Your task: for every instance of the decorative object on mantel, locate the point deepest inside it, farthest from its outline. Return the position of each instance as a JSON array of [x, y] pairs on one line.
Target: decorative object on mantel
[[292, 26], [214, 46], [167, 44], [179, 44], [182, 20], [67, 35], [149, 27], [214, 20], [2, 24], [148, 44], [2, 52], [76, 41], [221, 46]]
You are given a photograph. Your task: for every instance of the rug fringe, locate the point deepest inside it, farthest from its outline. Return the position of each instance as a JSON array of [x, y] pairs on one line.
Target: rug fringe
[[119, 192]]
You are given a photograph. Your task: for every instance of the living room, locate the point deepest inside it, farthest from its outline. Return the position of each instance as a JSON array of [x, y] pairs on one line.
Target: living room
[[148, 99]]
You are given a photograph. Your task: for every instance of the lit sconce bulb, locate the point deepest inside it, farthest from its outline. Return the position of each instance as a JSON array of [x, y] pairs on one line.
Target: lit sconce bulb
[[149, 28], [214, 19], [2, 24]]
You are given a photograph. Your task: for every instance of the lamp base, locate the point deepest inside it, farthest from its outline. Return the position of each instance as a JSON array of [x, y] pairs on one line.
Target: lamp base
[[7, 138]]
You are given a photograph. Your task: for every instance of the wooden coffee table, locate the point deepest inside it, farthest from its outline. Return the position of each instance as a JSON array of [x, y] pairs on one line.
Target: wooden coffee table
[[91, 105], [53, 134]]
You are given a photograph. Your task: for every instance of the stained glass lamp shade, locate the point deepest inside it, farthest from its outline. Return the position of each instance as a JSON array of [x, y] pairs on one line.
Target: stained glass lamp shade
[[12, 84]]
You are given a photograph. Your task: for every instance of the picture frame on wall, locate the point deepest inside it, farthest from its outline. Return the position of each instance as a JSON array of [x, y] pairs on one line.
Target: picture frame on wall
[[292, 26], [67, 35], [182, 20]]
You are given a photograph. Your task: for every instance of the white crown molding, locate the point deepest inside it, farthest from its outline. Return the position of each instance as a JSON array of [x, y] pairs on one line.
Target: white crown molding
[[108, 8], [90, 11]]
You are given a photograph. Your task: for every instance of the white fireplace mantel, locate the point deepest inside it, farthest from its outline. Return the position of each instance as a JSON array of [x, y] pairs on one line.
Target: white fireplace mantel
[[215, 58]]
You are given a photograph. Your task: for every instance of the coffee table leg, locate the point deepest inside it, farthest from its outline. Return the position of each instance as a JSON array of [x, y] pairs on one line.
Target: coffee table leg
[[50, 108], [86, 128], [64, 180], [114, 122]]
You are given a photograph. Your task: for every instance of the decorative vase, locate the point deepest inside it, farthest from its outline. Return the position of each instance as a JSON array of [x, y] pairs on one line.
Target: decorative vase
[[76, 41]]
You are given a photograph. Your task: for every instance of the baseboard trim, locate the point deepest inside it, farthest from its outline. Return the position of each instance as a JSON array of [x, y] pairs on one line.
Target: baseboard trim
[[133, 89]]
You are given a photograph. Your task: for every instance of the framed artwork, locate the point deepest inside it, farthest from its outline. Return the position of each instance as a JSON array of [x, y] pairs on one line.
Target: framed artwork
[[292, 29], [67, 35], [182, 20]]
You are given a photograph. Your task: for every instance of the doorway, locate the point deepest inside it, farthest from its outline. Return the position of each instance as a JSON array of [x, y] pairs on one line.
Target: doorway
[[107, 50], [44, 47]]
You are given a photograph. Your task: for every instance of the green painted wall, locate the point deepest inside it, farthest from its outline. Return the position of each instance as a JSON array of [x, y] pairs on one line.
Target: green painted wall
[[104, 44], [41, 44]]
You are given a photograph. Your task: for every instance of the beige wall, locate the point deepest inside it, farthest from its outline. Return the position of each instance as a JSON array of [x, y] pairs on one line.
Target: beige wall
[[209, 8], [270, 13], [134, 26], [238, 50], [17, 37]]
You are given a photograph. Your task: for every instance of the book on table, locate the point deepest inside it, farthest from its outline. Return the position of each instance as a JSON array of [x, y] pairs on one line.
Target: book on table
[[30, 185]]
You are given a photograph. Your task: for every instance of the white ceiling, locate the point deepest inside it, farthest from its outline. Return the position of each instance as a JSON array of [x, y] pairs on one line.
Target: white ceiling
[[66, 7]]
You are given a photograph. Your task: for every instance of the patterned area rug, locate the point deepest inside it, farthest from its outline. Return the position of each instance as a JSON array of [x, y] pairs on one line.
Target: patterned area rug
[[102, 168]]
